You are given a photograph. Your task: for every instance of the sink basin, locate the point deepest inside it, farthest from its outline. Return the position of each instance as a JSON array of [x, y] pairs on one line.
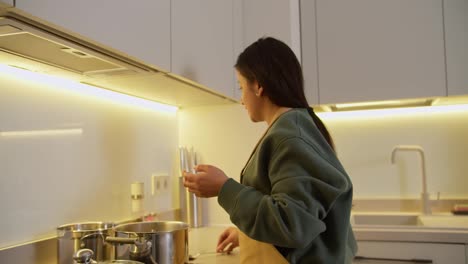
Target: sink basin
[[446, 221], [409, 220], [386, 219]]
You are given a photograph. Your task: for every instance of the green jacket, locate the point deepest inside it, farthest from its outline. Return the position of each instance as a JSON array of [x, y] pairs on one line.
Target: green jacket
[[295, 194]]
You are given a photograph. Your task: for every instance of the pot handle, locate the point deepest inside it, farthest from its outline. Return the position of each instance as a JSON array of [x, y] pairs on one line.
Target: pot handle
[[121, 240], [92, 234], [84, 256]]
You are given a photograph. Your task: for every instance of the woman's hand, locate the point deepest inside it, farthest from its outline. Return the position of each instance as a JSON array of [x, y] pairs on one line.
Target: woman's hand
[[228, 240], [206, 182]]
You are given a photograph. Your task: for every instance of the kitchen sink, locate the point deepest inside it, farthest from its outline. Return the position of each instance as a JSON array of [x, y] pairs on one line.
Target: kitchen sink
[[386, 219], [445, 221], [409, 220]]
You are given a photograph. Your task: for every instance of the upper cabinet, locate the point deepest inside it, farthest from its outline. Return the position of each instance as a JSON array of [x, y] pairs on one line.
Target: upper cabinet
[[456, 43], [8, 2], [273, 18], [141, 30], [378, 50], [203, 43], [350, 51], [309, 51]]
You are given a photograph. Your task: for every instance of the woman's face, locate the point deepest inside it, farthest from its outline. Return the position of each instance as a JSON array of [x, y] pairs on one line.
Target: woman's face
[[249, 97]]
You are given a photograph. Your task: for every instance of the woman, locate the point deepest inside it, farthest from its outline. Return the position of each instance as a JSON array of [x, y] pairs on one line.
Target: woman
[[294, 200]]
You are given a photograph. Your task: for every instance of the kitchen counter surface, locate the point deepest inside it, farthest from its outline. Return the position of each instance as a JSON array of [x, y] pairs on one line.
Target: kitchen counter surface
[[203, 241], [212, 258]]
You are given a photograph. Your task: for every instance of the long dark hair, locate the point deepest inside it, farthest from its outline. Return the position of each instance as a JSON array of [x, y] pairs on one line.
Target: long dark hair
[[275, 67]]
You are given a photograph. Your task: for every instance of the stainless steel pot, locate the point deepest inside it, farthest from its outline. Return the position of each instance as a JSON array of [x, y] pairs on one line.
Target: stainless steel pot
[[90, 235], [152, 242]]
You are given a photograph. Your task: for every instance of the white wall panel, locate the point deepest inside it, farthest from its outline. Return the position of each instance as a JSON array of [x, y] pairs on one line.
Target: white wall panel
[[48, 179]]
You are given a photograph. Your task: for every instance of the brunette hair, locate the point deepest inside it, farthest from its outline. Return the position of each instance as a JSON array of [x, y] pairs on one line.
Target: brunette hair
[[275, 67]]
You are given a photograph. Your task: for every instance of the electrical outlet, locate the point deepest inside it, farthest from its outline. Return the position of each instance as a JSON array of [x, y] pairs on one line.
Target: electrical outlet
[[159, 184], [164, 183]]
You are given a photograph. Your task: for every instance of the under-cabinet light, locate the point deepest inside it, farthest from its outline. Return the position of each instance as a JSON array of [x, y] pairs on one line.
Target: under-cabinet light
[[89, 90], [47, 132], [381, 104], [394, 112]]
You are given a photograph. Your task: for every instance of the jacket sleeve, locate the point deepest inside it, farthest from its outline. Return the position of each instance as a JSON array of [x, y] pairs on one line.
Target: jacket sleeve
[[304, 186]]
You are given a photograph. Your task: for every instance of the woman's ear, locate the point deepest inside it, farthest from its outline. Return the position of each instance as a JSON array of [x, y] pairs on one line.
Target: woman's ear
[[259, 91]]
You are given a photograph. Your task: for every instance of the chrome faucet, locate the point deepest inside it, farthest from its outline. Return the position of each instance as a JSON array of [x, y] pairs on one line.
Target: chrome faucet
[[426, 207]]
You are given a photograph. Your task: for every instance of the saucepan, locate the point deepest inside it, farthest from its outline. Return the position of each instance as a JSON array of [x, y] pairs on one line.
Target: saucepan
[[89, 235], [161, 242]]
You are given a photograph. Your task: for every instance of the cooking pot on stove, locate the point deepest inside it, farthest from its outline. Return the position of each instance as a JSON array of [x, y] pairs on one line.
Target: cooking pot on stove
[[89, 235], [164, 242]]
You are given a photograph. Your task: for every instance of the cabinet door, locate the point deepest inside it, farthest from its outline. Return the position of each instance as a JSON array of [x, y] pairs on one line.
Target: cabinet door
[[379, 50], [8, 2], [438, 253], [202, 43], [140, 29], [273, 18], [456, 43], [309, 50]]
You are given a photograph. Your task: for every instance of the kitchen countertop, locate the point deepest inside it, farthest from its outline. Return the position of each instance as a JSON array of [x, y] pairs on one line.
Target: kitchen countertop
[[212, 258], [203, 240]]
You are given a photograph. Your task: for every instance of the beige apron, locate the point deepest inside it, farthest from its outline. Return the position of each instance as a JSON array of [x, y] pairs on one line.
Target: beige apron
[[253, 252]]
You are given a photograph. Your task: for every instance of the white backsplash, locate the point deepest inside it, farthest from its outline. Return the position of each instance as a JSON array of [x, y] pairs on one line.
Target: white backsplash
[[77, 159], [225, 136], [365, 142]]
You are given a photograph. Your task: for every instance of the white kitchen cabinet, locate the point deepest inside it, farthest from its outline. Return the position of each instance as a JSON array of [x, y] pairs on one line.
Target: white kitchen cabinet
[[379, 50], [140, 29], [203, 43], [309, 51], [274, 18], [8, 2], [437, 252], [456, 43]]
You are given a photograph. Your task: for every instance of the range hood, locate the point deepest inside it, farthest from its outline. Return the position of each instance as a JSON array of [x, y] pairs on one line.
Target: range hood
[[27, 43]]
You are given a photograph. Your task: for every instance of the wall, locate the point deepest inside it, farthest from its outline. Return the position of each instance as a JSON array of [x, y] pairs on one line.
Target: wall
[[84, 170], [225, 136], [365, 142], [81, 168]]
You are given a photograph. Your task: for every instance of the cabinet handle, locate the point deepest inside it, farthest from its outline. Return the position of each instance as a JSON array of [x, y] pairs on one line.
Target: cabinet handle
[[395, 259]]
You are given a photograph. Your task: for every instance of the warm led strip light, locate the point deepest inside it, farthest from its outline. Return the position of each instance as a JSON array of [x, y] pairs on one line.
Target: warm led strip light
[[48, 132], [89, 90], [368, 104], [394, 112]]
